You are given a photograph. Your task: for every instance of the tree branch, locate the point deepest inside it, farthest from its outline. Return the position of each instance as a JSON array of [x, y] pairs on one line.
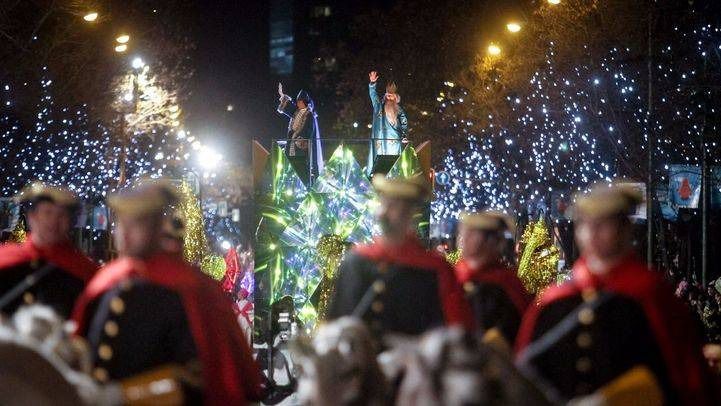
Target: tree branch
[[40, 23], [13, 41]]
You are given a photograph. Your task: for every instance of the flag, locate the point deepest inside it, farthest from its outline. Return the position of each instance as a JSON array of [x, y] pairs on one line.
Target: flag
[[100, 218]]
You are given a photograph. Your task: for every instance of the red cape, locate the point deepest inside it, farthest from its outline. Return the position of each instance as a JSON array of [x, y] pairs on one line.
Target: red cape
[[668, 318], [65, 256], [412, 254], [506, 279], [230, 374]]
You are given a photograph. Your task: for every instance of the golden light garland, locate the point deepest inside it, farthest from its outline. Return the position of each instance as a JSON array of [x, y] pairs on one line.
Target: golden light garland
[[538, 266], [195, 241], [19, 234], [330, 250], [213, 266], [454, 256]]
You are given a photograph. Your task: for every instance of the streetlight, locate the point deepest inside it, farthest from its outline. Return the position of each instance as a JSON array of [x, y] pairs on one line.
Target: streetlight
[[554, 2], [137, 63], [122, 43], [494, 49], [208, 158], [513, 27], [91, 16]]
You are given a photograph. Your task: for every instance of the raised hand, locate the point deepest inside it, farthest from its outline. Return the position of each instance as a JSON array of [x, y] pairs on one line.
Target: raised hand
[[373, 76], [280, 89]]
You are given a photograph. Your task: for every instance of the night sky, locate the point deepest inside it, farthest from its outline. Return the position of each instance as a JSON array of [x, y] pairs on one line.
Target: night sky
[[231, 67]]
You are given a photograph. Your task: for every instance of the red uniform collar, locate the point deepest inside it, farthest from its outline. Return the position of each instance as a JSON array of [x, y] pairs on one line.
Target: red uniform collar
[[496, 274], [229, 371], [629, 277], [409, 253], [624, 276], [64, 255]]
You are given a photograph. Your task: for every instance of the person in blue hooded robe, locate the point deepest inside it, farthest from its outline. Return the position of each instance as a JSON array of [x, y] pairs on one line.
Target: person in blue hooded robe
[[390, 123], [303, 135]]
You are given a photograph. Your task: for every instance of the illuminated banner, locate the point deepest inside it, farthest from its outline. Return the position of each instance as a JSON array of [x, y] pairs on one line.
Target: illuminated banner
[[684, 186], [100, 218]]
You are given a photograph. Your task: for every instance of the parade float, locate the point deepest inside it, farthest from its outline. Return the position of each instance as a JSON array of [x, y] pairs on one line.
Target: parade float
[[305, 226]]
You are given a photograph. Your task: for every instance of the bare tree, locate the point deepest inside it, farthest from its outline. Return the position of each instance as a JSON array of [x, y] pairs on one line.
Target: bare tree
[[146, 108], [80, 55]]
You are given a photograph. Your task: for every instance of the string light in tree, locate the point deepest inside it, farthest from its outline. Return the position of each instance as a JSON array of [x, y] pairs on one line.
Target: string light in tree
[[62, 146], [588, 122]]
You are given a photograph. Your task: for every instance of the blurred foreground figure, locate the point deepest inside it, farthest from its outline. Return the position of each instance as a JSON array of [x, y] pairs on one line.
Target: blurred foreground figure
[[445, 366], [450, 367], [150, 310], [615, 324], [496, 295], [59, 270], [41, 364], [339, 367], [394, 284]]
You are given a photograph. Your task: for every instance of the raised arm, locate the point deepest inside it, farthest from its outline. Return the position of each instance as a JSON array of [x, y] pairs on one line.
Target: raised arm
[[375, 100], [284, 106]]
